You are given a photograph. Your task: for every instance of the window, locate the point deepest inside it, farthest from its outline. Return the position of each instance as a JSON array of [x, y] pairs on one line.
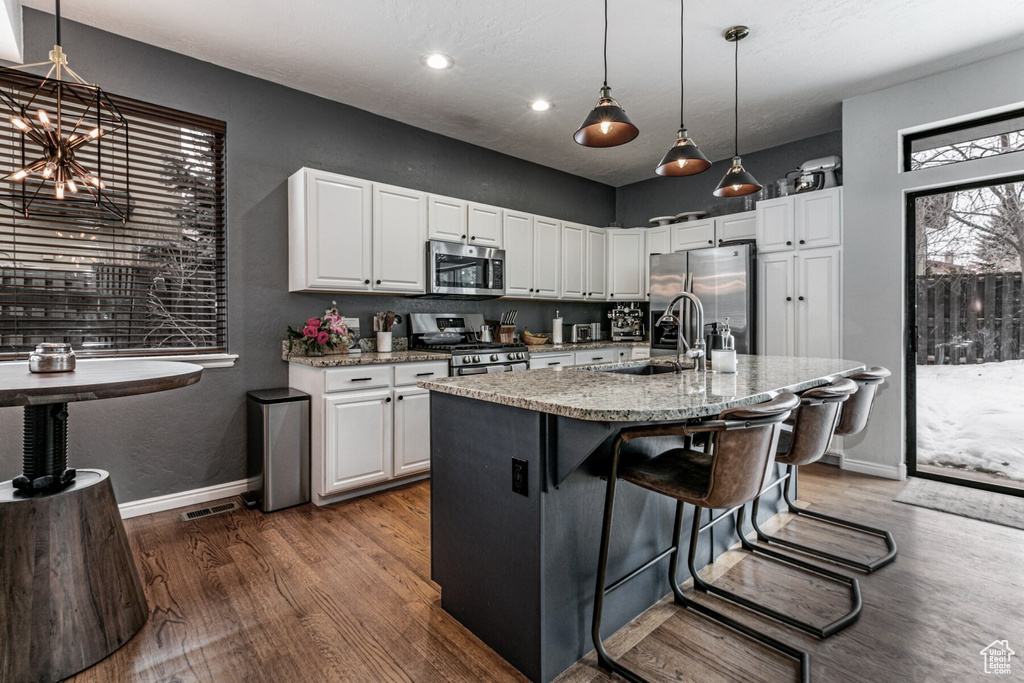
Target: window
[[986, 137], [153, 285]]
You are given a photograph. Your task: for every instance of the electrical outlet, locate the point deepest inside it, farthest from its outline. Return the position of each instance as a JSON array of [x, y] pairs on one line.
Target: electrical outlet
[[520, 469]]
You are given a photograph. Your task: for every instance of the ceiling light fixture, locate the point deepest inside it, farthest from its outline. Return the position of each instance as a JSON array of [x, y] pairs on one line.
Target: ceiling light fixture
[[82, 115], [541, 105], [684, 157], [436, 60], [737, 182], [607, 125]]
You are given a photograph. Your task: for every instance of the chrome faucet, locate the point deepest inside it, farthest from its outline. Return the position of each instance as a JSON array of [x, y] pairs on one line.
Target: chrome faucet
[[695, 350]]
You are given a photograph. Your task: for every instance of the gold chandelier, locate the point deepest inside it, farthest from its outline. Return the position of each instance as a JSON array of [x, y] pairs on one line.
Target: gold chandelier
[[81, 115]]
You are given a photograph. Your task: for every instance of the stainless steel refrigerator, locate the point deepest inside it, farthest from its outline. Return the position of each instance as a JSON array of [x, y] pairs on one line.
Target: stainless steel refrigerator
[[723, 278]]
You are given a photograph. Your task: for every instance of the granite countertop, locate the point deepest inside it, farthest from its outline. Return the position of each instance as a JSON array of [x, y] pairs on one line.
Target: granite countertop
[[335, 360], [583, 394], [583, 346]]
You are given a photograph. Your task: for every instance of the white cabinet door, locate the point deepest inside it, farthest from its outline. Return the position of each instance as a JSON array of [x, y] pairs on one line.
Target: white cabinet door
[[817, 303], [818, 218], [776, 305], [484, 225], [574, 261], [597, 264], [518, 254], [358, 446], [550, 360], [693, 234], [658, 241], [626, 251], [775, 228], [446, 219], [412, 430], [737, 226], [399, 239], [330, 232], [547, 242]]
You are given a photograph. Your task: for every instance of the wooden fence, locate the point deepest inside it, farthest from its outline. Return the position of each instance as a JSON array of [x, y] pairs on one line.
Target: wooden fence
[[969, 318]]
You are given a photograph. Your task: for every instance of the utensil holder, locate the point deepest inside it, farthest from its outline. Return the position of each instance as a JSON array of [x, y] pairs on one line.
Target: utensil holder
[[506, 333], [383, 342]]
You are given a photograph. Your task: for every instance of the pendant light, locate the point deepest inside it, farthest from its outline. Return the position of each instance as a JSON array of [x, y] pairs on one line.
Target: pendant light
[[607, 125], [737, 182], [60, 118], [684, 157]]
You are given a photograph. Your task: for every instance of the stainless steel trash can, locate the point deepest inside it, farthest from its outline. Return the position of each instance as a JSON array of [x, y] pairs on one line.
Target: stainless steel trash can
[[278, 446]]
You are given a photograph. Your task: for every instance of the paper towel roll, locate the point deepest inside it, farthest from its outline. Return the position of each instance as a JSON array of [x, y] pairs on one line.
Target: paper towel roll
[[556, 331]]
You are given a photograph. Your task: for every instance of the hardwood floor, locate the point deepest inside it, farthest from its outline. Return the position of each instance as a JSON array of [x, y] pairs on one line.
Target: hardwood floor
[[343, 593]]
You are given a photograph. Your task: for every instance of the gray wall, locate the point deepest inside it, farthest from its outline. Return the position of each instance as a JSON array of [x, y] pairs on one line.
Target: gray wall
[[194, 437], [874, 224], [636, 204]]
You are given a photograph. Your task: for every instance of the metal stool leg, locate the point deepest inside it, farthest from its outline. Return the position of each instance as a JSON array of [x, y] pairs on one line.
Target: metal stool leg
[[866, 567]]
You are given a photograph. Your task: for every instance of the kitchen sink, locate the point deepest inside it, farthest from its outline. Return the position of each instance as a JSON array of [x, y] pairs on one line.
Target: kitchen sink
[[640, 370]]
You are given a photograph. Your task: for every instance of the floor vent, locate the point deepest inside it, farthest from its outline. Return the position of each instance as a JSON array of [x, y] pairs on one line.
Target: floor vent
[[206, 512]]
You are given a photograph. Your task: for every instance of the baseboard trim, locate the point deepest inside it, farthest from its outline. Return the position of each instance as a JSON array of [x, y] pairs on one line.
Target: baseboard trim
[[898, 472], [172, 501]]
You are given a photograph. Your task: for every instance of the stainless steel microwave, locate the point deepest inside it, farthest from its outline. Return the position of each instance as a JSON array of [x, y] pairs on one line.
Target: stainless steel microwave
[[465, 271]]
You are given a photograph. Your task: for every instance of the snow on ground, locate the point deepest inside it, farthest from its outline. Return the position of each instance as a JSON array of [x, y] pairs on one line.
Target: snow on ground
[[971, 417]]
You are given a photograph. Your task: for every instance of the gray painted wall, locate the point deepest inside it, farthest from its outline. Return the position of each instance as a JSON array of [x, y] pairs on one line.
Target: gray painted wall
[[636, 204], [875, 225], [194, 437]]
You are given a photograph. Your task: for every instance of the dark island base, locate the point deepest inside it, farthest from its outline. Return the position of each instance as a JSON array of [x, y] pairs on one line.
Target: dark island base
[[69, 592], [519, 570]]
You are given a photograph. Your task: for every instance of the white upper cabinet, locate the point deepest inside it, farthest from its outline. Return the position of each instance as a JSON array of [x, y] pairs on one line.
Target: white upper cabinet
[[736, 226], [659, 240], [775, 228], [574, 261], [518, 228], [626, 271], [818, 218], [446, 219], [597, 264], [693, 234], [547, 256], [484, 225], [330, 235], [399, 239]]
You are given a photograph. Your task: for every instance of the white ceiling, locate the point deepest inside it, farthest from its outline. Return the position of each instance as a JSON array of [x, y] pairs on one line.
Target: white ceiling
[[800, 61]]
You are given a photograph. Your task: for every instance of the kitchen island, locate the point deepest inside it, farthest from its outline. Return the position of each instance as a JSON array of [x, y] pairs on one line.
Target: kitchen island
[[517, 499]]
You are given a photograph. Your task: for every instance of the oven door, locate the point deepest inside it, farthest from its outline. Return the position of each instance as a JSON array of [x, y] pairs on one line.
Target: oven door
[[491, 369], [461, 269]]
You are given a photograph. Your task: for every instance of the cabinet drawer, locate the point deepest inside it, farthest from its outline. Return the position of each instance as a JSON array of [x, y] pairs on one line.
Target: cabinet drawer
[[596, 356], [550, 360], [410, 373], [362, 377]]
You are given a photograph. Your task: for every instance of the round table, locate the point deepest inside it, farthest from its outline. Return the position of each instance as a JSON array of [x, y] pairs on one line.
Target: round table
[[71, 594]]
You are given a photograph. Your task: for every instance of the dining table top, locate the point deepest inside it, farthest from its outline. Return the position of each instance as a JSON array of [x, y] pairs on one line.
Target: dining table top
[[92, 379]]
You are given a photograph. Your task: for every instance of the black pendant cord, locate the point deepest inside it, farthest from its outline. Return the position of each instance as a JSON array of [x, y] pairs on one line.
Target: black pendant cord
[[736, 99], [57, 16], [606, 43], [682, 61]]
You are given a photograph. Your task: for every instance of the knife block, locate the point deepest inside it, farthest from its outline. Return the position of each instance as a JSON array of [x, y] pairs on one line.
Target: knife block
[[506, 334]]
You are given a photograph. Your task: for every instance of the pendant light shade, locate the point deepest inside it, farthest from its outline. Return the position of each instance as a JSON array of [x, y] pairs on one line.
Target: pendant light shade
[[607, 125], [737, 181], [683, 157]]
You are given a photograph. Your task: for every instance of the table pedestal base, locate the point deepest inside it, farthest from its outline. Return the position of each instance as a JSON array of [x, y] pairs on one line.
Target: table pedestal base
[[69, 591]]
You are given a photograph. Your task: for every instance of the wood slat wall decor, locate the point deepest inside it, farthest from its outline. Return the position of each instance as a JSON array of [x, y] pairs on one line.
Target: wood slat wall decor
[[153, 285]]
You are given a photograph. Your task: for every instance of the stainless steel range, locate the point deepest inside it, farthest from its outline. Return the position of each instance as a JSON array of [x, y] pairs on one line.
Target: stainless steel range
[[459, 334]]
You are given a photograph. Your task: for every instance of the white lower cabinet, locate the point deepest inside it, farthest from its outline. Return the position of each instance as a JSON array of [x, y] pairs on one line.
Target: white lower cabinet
[[412, 430], [358, 440], [553, 359], [589, 356], [364, 439]]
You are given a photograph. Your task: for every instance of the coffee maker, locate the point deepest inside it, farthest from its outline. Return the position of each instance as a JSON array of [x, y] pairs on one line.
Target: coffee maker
[[627, 322]]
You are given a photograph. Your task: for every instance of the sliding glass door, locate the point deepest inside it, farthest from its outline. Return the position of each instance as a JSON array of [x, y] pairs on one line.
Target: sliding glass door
[[965, 362]]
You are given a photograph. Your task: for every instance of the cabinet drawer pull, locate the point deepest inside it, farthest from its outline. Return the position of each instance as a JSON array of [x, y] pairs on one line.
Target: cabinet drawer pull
[[378, 282], [800, 298], [596, 358], [387, 400], [789, 298], [711, 241], [463, 237], [425, 374], [366, 282], [802, 242], [789, 244], [360, 379], [473, 237], [555, 362], [400, 398]]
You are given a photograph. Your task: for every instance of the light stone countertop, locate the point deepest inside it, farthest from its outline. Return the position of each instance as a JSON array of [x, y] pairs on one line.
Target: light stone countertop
[[585, 346], [336, 360], [583, 394]]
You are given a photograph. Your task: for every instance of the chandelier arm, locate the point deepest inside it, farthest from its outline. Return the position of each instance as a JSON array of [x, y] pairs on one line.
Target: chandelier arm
[[81, 81], [35, 135], [30, 66]]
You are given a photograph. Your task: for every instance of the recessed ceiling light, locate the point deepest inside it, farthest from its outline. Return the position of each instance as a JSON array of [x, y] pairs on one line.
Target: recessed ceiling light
[[540, 105], [436, 60]]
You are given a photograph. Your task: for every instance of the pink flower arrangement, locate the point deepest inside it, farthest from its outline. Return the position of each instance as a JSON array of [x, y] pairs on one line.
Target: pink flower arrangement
[[327, 332]]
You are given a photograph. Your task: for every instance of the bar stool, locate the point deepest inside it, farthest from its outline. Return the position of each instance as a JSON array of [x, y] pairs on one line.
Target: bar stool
[[729, 473], [805, 446]]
